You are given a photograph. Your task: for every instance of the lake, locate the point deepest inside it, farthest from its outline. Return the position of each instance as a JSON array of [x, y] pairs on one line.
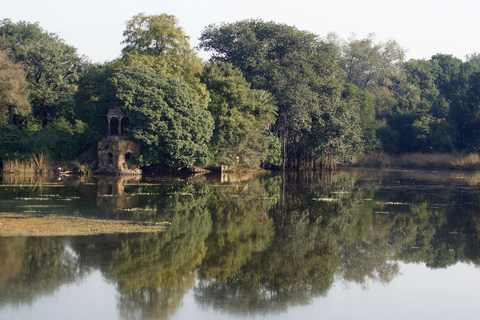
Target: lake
[[356, 244]]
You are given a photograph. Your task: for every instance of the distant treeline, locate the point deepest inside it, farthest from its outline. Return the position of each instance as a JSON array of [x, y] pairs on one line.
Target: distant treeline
[[271, 96]]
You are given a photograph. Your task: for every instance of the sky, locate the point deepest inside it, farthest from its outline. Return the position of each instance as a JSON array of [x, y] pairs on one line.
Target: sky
[[422, 28]]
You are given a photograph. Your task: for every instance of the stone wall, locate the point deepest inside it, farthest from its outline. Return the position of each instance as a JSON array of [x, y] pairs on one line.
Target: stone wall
[[114, 155]]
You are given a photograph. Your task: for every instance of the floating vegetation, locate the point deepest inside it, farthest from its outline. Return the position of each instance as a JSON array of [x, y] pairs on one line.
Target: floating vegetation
[[27, 225], [42, 206], [395, 203], [180, 194], [326, 199], [46, 198], [144, 194], [138, 209]]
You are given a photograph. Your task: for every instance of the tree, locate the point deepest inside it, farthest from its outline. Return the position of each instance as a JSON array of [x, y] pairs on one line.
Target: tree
[[91, 100], [167, 117], [364, 100], [155, 35], [301, 71], [452, 78], [13, 90], [241, 116], [14, 35], [51, 67], [368, 64], [158, 42]]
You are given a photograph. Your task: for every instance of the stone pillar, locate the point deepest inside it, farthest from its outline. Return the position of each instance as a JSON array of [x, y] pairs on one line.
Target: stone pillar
[[119, 125], [109, 129]]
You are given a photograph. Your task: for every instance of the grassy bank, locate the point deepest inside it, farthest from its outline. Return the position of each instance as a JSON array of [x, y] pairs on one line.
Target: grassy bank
[[440, 161], [18, 225]]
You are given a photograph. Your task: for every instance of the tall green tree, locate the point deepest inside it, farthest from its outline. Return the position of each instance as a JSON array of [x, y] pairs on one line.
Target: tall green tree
[[167, 118], [158, 42], [301, 71], [366, 112], [52, 68], [452, 80], [13, 90], [241, 115], [369, 64]]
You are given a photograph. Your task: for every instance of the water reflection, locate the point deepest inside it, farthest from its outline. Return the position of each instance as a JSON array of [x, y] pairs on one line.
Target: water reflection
[[111, 195], [249, 247], [33, 267]]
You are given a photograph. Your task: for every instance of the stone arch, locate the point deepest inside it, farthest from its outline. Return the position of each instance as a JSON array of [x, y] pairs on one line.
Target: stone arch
[[114, 126], [125, 124], [110, 158], [118, 122]]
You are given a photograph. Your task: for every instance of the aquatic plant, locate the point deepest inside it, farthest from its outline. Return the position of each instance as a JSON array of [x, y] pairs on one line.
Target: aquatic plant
[[41, 163]]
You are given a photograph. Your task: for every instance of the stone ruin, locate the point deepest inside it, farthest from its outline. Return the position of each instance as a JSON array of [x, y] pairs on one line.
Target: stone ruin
[[115, 152]]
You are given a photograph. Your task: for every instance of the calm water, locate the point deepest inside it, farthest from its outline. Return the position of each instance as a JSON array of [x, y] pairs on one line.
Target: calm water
[[353, 245]]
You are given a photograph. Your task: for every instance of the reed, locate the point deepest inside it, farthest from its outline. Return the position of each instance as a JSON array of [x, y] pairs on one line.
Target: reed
[[41, 163], [443, 161], [18, 167], [83, 169]]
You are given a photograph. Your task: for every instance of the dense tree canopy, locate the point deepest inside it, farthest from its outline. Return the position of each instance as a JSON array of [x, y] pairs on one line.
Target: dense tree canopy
[[302, 73], [166, 115], [277, 95], [52, 68], [13, 90], [158, 42], [240, 116]]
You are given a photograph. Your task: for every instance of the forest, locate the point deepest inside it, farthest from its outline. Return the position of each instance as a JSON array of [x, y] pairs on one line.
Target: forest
[[270, 96]]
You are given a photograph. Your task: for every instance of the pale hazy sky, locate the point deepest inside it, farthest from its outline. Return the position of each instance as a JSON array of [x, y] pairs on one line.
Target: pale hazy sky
[[423, 28]]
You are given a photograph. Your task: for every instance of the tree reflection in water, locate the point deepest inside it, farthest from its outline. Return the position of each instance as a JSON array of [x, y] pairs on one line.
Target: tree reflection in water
[[258, 246], [30, 268]]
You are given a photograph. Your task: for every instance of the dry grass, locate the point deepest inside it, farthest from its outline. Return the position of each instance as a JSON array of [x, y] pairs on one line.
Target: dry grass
[[83, 168], [38, 164], [14, 225], [443, 161], [41, 163], [18, 167]]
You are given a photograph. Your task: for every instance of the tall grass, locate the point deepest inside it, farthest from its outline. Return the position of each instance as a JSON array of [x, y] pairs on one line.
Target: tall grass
[[38, 164], [443, 161], [19, 167], [83, 169], [41, 163]]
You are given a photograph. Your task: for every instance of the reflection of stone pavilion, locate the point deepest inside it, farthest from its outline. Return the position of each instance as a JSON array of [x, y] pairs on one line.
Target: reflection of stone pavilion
[[115, 152], [112, 197]]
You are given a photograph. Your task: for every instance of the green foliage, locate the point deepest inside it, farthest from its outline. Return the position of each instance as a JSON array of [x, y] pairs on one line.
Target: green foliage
[[301, 71], [367, 64], [273, 153], [13, 90], [9, 137], [389, 138], [241, 116], [51, 67], [158, 42], [154, 35], [366, 112], [167, 118], [61, 143]]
